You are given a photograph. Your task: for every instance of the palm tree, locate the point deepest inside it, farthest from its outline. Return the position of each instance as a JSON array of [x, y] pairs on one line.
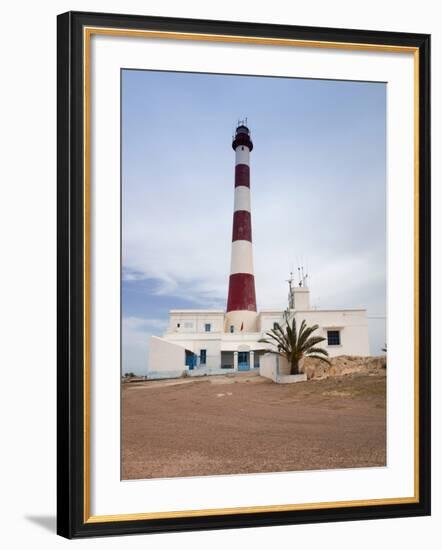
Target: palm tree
[[294, 345]]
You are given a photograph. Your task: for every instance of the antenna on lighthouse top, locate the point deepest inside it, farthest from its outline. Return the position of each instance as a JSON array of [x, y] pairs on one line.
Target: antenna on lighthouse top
[[242, 122], [242, 135]]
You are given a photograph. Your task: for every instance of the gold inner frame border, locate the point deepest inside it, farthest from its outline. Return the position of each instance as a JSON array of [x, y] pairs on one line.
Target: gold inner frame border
[[88, 32]]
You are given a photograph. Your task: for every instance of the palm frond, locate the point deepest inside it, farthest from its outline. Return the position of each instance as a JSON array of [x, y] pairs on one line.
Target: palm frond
[[301, 329], [280, 332], [294, 343], [277, 338], [311, 342], [306, 334], [289, 335], [322, 351]]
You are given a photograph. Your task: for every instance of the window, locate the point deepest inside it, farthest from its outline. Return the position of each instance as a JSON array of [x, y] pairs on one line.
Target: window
[[232, 328], [178, 325], [275, 325], [333, 338], [203, 356], [207, 327]]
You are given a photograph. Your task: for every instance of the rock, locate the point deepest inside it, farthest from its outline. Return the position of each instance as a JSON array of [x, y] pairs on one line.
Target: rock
[[341, 366]]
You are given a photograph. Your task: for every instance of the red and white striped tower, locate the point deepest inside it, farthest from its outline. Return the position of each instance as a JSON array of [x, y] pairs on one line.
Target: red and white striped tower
[[241, 302]]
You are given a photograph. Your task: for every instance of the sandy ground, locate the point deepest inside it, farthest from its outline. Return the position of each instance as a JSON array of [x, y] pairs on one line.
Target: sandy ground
[[245, 424]]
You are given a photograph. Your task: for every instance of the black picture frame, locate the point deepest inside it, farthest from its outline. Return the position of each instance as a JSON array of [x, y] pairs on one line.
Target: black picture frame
[[72, 521]]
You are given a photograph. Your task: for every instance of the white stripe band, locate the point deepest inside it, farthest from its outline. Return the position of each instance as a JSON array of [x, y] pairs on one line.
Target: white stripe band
[[242, 154], [242, 198], [242, 257]]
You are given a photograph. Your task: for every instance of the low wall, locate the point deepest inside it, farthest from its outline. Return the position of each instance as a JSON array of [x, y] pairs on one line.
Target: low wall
[[206, 371], [277, 368], [164, 374], [291, 378], [267, 366]]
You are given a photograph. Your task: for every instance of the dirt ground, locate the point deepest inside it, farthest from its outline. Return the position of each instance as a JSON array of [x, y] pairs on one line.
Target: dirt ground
[[244, 423]]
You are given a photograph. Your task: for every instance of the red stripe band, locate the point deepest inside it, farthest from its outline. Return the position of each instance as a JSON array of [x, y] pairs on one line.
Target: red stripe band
[[242, 226], [241, 292], [242, 175]]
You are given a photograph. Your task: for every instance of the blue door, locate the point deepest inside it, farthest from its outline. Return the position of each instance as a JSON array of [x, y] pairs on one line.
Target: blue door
[[243, 360], [191, 359]]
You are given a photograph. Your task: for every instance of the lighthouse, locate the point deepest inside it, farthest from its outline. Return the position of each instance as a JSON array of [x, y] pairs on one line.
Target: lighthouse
[[241, 314], [214, 341]]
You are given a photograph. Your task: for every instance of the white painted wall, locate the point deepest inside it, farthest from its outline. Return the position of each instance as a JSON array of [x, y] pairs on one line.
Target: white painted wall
[[166, 359], [212, 345], [213, 353], [245, 318], [302, 297], [197, 342], [268, 366], [242, 342], [352, 325], [192, 321], [277, 368], [267, 318]]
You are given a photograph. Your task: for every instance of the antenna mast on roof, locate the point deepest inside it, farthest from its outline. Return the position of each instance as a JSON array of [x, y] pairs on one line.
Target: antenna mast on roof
[[302, 278], [291, 292]]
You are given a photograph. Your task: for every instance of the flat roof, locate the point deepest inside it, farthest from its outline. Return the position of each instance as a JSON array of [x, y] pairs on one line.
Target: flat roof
[[340, 310], [193, 311], [263, 311], [313, 309]]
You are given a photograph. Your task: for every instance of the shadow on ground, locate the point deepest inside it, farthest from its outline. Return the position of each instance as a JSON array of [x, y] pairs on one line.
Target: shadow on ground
[[49, 523]]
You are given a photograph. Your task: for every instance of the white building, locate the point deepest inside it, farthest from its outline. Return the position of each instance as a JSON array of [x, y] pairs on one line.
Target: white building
[[218, 341], [201, 342]]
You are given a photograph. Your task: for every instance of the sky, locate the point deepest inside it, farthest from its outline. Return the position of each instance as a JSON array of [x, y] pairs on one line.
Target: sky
[[318, 187]]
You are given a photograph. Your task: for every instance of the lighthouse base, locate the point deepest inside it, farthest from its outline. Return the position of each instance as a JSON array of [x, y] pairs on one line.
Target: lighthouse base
[[241, 321]]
